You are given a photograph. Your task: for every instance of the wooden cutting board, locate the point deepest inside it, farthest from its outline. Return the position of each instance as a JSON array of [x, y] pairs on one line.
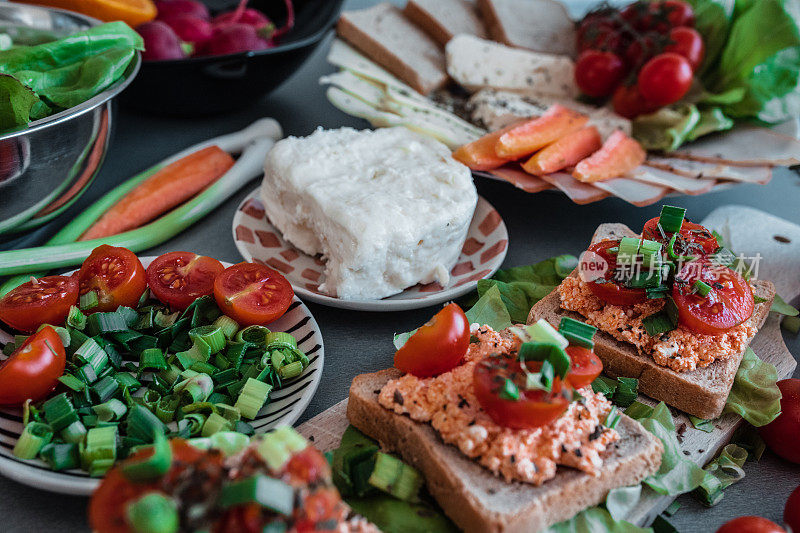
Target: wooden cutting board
[[749, 232]]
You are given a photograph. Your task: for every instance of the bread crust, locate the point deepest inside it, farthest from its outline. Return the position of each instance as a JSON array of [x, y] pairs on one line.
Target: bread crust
[[701, 392], [475, 499]]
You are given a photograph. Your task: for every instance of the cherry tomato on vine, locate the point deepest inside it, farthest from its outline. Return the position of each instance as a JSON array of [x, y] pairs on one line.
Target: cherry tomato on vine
[[791, 513], [629, 102], [678, 13], [437, 346], [598, 73], [33, 369], [179, 278], [532, 409], [688, 43], [40, 301], [665, 79], [115, 274]]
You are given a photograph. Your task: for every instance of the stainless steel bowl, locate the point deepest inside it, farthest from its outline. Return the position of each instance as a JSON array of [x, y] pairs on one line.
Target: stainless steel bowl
[[46, 165]]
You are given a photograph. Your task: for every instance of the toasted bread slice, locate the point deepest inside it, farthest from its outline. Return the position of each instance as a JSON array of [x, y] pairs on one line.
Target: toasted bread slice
[[475, 499], [384, 35], [442, 19], [701, 392], [540, 25]]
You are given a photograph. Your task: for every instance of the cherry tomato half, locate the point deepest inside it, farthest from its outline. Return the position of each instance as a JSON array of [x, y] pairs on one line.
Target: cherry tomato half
[[436, 347], [40, 301], [179, 278], [534, 408], [629, 102], [610, 291], [32, 371], [665, 79], [791, 513], [108, 506], [688, 43], [584, 368], [783, 433], [252, 294], [598, 73], [115, 274], [728, 304], [696, 239], [750, 524]]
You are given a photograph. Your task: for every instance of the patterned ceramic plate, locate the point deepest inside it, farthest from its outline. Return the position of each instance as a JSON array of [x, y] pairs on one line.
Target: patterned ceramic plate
[[483, 253], [285, 407]]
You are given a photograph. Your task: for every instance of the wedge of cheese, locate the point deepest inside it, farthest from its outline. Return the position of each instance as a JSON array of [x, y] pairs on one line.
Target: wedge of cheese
[[386, 209]]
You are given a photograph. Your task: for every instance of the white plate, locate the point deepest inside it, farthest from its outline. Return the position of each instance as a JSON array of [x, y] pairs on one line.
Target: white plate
[[285, 407], [483, 253]]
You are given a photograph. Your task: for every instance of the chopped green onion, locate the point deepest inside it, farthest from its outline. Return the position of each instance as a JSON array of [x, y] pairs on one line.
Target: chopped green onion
[[101, 323], [76, 319], [99, 450], [252, 334], [152, 359], [725, 470], [701, 288], [154, 466], [74, 433], [277, 447], [59, 412], [143, 424], [88, 301], [612, 418], [658, 324], [671, 250], [577, 332], [605, 386], [104, 389], [214, 423], [32, 440], [509, 390], [211, 336], [645, 279], [627, 391], [153, 512], [228, 411], [229, 442], [195, 389], [244, 428], [127, 380], [252, 397], [111, 410], [196, 422], [651, 253], [662, 525], [672, 508], [71, 382], [91, 353], [268, 492], [280, 339], [628, 250], [539, 351], [542, 332], [671, 218], [395, 477], [290, 371], [60, 456], [227, 325]]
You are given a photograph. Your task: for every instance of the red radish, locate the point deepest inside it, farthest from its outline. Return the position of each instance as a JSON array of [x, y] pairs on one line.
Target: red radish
[[190, 28], [160, 41], [171, 8], [234, 38], [249, 16]]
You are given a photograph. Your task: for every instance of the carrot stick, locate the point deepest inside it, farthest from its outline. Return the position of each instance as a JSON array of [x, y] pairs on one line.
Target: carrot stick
[[164, 190]]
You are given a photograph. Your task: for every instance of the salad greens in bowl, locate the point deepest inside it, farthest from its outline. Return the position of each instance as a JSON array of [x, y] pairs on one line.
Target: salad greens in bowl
[[59, 72]]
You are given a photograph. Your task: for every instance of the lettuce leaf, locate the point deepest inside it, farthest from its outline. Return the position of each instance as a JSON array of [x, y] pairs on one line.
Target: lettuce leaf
[[621, 501], [490, 310], [755, 395], [16, 102], [666, 129], [677, 474], [595, 520]]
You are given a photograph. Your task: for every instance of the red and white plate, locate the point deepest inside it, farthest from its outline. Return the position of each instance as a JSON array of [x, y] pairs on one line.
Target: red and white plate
[[259, 241]]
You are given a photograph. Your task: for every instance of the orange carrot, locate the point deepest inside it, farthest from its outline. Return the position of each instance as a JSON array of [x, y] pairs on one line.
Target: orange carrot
[[164, 190]]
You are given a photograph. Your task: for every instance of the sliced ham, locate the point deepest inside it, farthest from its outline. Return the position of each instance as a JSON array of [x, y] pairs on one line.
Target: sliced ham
[[744, 146], [580, 193], [699, 169], [686, 185], [633, 191], [520, 179]]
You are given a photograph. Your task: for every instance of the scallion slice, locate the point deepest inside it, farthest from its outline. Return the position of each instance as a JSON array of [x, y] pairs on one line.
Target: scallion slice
[[59, 412], [153, 512], [33, 439], [76, 319], [111, 410], [651, 253], [88, 301], [577, 332], [142, 424], [105, 388], [266, 491], [252, 397], [671, 218], [509, 390], [214, 423], [658, 324], [211, 336], [229, 442], [152, 359], [627, 391], [702, 288], [252, 334], [280, 339], [99, 450], [154, 466], [102, 323], [612, 418], [628, 250], [227, 325], [74, 433], [60, 456]]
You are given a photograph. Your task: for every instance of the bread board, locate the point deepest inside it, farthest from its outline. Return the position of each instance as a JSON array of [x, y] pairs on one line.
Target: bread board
[[748, 231]]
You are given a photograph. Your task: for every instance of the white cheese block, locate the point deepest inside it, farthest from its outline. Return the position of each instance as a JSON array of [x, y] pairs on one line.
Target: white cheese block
[[387, 209], [476, 63]]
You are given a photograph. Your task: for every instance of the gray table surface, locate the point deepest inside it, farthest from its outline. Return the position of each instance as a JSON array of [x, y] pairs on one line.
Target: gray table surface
[[539, 226]]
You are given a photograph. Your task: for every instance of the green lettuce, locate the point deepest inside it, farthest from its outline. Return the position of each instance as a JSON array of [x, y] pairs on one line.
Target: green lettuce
[[68, 71], [16, 102], [595, 520], [755, 395]]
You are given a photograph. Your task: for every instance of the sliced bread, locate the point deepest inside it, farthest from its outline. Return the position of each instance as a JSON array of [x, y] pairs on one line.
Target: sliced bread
[[540, 25], [443, 19], [384, 35], [701, 392], [475, 499]]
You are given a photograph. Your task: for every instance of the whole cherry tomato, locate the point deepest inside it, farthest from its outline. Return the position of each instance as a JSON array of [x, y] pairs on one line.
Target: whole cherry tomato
[[688, 43], [32, 371], [678, 13], [40, 301], [750, 524], [629, 102], [665, 79], [782, 435], [436, 347], [791, 513], [115, 274], [598, 73]]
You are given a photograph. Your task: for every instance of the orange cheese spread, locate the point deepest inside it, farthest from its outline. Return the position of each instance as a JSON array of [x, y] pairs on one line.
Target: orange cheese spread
[[680, 349], [448, 402]]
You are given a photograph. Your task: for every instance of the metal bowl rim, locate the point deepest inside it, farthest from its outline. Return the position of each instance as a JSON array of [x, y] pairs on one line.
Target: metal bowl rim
[[88, 105]]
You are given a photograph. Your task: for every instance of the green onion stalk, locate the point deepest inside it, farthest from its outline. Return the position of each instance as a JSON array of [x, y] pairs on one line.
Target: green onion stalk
[[62, 250]]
